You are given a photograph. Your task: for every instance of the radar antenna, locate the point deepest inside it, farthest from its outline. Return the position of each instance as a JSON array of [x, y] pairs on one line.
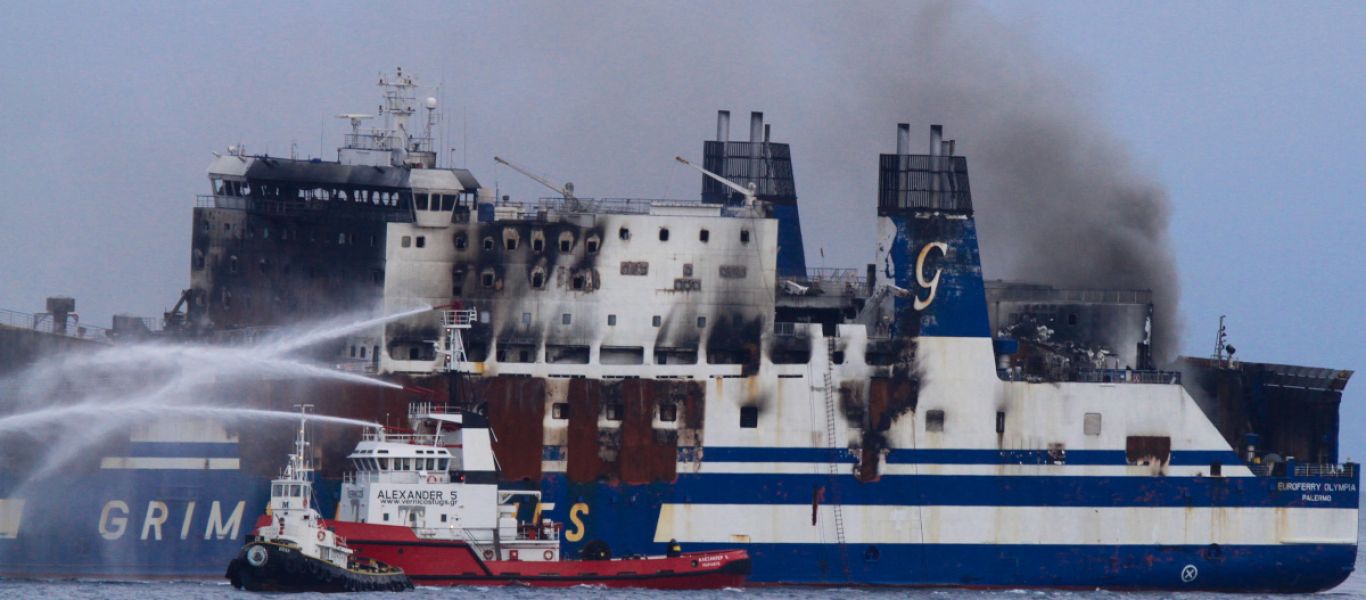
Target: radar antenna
[[747, 191], [566, 191]]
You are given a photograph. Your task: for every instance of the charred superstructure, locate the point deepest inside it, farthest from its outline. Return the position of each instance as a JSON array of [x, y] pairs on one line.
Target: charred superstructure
[[282, 240], [671, 370]]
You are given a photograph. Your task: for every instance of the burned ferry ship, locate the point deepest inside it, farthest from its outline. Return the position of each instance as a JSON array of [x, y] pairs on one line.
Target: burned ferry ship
[[673, 370]]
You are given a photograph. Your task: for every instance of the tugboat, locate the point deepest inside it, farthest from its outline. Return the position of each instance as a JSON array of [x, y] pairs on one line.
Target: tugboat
[[428, 502], [293, 550]]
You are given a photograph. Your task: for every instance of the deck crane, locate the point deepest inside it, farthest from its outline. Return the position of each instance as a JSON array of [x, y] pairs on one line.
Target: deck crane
[[747, 191], [566, 191]]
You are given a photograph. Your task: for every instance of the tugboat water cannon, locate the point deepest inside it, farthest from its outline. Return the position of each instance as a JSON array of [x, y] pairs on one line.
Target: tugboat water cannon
[[293, 550]]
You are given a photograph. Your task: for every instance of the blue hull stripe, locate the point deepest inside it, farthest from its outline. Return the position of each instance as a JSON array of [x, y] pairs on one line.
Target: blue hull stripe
[[957, 456]]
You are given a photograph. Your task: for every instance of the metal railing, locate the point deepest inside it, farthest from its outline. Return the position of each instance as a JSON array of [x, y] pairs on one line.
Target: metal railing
[[1325, 470], [43, 323], [1006, 293], [307, 207]]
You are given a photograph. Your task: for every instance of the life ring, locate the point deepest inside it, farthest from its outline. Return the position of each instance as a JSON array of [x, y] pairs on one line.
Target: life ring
[[431, 479], [549, 554], [321, 535], [488, 555]]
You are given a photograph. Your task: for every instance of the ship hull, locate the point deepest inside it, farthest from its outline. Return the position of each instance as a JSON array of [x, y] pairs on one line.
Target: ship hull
[[97, 537]]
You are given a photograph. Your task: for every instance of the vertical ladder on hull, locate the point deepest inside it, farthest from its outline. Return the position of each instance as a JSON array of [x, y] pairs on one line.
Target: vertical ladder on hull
[[831, 414]]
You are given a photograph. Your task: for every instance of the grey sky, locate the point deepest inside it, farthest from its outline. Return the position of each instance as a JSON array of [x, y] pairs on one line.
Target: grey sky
[[1247, 118]]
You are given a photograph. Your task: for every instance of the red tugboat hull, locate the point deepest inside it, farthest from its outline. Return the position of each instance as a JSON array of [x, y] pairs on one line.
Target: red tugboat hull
[[450, 562]]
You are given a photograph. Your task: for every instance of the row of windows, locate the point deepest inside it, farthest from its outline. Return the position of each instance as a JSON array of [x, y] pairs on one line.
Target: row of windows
[[615, 411], [511, 241], [934, 421], [344, 238], [385, 463]]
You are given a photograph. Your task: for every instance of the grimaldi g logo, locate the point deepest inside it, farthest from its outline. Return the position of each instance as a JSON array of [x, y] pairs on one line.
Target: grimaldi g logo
[[114, 521]]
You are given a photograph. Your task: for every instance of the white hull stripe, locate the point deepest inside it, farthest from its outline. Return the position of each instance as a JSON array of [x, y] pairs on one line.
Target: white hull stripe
[[160, 462], [1051, 525]]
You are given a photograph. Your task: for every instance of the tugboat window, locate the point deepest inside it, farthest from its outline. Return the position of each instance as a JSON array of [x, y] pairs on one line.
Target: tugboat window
[[421, 241]]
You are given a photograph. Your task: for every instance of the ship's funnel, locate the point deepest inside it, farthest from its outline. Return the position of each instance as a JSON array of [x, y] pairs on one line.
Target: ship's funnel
[[903, 138], [936, 137], [756, 127], [723, 126]]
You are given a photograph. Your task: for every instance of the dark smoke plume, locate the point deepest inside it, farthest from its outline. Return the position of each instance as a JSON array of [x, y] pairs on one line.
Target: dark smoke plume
[[1058, 200], [1057, 197]]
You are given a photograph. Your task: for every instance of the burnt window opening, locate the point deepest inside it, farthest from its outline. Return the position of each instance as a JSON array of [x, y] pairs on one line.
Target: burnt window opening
[[1000, 421], [413, 353], [566, 245], [486, 279], [611, 320], [559, 410], [1091, 424], [204, 226], [663, 234], [537, 244], [1216, 469], [510, 243], [461, 241], [232, 264], [837, 357], [227, 227], [566, 318], [406, 241], [1147, 449], [687, 269], [197, 260], [744, 236], [613, 411], [675, 356], [749, 417], [934, 420], [227, 299], [657, 321], [668, 412], [703, 236], [621, 355], [593, 244], [624, 234], [579, 282], [1072, 318], [421, 241], [1057, 453], [488, 243], [701, 322], [537, 279]]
